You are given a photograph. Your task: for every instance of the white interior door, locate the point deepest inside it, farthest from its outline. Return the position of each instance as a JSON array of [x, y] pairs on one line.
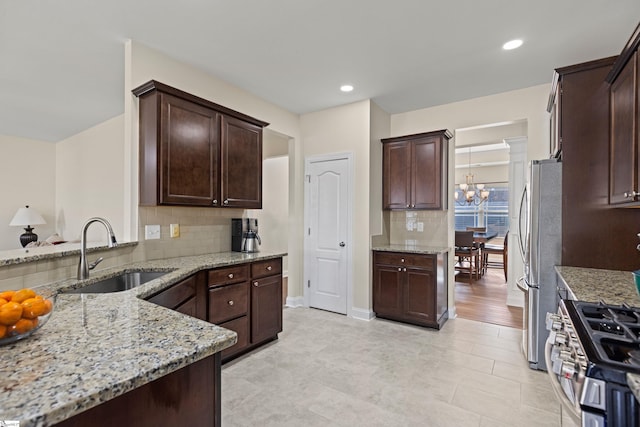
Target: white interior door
[[327, 233]]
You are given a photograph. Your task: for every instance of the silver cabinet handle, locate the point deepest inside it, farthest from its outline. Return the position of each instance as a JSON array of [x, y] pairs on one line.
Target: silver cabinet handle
[[399, 269], [402, 260], [230, 275], [215, 201], [269, 268], [255, 284], [404, 269], [342, 244], [631, 194], [408, 206], [226, 202], [230, 302]]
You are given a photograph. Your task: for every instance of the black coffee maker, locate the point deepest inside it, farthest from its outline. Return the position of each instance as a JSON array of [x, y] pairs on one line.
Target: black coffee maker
[[244, 235]]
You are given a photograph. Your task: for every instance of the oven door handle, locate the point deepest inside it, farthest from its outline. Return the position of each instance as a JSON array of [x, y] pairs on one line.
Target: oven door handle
[[555, 384]]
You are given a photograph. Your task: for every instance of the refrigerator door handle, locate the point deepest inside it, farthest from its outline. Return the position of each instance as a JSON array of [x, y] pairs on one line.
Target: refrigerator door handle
[[532, 331], [522, 233]]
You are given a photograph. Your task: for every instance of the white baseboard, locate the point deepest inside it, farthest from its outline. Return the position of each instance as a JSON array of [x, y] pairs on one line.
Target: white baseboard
[[515, 298], [362, 314], [452, 312], [295, 302]]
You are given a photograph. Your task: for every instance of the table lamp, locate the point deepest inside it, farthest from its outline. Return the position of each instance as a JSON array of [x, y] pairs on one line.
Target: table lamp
[[28, 217]]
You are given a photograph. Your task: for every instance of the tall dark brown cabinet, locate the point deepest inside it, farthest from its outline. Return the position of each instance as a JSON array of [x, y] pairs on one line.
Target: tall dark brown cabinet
[[595, 233], [194, 152]]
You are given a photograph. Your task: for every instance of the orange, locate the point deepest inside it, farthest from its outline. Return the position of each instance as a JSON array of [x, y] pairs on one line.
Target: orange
[[48, 306], [7, 295], [33, 307], [22, 295], [3, 301], [22, 326], [3, 331], [10, 313]]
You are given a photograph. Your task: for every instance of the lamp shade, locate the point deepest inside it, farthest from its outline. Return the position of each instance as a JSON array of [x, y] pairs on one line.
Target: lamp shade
[[27, 216]]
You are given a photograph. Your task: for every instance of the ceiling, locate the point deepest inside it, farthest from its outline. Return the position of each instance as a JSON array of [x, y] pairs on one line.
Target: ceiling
[[62, 62]]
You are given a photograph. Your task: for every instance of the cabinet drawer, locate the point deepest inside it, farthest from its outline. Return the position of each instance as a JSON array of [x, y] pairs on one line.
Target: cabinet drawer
[[228, 302], [176, 294], [241, 327], [404, 259], [223, 276], [266, 268]]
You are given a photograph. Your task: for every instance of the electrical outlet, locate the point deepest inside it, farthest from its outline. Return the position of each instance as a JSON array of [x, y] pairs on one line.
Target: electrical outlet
[[151, 232], [174, 230], [421, 227]]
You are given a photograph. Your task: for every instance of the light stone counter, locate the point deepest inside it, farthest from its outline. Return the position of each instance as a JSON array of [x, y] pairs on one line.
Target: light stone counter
[[594, 285], [98, 346], [408, 248]]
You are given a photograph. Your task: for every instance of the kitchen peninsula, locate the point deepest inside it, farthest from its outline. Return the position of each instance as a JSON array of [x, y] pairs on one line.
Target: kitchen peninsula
[[99, 348]]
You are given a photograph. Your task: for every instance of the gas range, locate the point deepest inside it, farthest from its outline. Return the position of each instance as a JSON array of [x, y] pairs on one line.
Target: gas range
[[590, 349]]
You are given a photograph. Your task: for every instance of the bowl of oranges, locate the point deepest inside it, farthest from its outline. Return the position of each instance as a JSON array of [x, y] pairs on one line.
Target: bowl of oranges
[[22, 312]]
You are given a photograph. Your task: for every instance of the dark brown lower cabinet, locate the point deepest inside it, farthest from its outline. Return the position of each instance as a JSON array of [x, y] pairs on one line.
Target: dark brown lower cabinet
[[410, 287], [266, 308], [247, 299], [189, 396], [184, 297]]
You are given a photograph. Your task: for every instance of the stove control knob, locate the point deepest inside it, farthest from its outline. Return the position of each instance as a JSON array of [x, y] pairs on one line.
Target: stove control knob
[[561, 338], [568, 368], [553, 322]]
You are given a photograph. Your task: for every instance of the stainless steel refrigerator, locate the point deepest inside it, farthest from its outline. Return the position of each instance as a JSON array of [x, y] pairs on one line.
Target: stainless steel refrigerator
[[540, 239]]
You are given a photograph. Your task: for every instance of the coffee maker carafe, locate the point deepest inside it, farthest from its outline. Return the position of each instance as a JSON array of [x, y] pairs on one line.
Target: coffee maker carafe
[[244, 235]]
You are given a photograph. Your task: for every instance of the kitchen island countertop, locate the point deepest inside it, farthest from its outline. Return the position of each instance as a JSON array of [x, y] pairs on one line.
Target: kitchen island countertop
[[96, 347], [594, 285]]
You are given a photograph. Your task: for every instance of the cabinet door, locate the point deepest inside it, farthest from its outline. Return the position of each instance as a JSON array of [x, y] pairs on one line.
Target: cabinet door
[[241, 164], [188, 307], [266, 308], [189, 153], [396, 175], [623, 179], [387, 291], [420, 296], [241, 327], [178, 294], [426, 174]]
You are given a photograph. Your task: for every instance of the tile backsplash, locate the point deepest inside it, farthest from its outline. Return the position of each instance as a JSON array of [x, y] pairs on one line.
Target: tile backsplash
[[202, 231], [428, 228]]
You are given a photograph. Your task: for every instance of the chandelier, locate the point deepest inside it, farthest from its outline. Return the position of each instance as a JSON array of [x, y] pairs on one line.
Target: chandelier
[[470, 193]]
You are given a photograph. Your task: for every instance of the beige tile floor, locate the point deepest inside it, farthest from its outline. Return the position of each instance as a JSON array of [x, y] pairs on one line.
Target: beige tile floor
[[330, 370]]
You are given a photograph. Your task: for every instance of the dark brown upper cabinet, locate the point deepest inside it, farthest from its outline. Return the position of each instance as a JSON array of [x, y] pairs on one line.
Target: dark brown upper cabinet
[[414, 174], [194, 152], [624, 182]]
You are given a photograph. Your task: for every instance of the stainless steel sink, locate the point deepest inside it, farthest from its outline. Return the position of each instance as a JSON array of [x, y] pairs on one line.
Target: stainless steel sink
[[118, 283]]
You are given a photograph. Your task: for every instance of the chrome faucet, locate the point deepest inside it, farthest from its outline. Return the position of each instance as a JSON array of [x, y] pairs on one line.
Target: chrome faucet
[[83, 267]]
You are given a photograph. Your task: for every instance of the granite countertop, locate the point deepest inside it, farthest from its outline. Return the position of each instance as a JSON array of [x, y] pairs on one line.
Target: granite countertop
[[98, 346], [410, 248], [25, 255], [594, 285]]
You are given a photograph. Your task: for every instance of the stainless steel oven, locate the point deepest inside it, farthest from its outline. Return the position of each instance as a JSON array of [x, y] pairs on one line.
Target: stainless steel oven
[[589, 351]]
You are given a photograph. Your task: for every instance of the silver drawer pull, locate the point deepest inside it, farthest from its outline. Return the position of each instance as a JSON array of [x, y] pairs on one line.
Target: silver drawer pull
[[255, 283], [269, 268], [215, 201], [226, 201], [399, 269], [230, 302], [230, 275], [401, 259]]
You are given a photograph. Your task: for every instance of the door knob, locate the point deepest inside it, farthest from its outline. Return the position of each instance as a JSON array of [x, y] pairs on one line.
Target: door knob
[[342, 244]]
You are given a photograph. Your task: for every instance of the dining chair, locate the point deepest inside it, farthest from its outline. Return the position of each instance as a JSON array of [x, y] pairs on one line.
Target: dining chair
[[480, 246], [468, 254], [491, 249]]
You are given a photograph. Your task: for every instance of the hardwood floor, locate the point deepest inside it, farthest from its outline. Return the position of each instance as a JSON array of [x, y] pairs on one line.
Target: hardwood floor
[[485, 300]]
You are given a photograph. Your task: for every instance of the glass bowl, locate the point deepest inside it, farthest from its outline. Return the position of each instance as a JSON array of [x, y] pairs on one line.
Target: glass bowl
[[21, 329]]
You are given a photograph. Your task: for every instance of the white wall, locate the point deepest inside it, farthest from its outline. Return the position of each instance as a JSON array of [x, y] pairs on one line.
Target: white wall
[[527, 105], [90, 181], [345, 129], [27, 173]]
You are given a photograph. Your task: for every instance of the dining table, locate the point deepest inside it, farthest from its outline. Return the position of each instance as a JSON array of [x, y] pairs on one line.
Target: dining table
[[484, 236]]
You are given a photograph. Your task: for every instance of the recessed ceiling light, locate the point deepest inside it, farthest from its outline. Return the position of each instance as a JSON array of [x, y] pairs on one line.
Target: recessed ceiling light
[[513, 44], [346, 88]]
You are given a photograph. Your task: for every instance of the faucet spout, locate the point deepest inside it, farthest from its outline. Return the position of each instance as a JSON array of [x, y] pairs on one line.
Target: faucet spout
[[83, 265]]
